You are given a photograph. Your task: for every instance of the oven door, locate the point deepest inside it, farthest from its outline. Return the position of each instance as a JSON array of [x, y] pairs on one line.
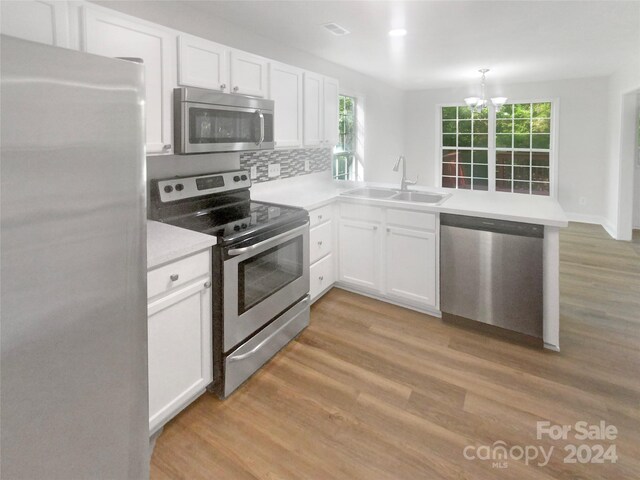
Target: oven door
[[221, 128], [263, 280]]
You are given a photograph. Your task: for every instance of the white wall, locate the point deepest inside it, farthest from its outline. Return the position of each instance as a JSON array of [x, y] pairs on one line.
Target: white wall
[[582, 136], [622, 91], [384, 104]]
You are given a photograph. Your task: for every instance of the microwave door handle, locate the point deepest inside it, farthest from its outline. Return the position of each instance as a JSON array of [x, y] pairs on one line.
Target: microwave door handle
[[260, 114], [239, 251]]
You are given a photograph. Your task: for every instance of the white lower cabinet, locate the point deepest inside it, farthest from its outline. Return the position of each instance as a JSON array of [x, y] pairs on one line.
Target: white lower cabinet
[[360, 249], [411, 265], [321, 276], [180, 342], [321, 260], [400, 265]]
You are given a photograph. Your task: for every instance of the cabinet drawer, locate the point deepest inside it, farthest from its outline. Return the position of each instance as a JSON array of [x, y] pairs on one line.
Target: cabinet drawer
[[414, 220], [320, 241], [178, 273], [362, 213], [321, 276], [320, 215]]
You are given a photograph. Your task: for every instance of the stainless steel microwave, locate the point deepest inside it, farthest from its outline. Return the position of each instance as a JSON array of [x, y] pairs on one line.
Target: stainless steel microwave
[[208, 121]]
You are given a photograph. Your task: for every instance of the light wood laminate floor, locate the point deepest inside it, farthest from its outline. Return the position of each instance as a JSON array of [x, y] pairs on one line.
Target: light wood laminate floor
[[373, 391]]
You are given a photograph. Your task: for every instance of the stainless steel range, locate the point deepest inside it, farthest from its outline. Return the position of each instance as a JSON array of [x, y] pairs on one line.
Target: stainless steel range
[[260, 267]]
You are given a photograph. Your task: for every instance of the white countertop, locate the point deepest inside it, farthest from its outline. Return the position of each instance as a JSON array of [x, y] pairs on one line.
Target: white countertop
[[166, 243], [307, 191], [315, 190]]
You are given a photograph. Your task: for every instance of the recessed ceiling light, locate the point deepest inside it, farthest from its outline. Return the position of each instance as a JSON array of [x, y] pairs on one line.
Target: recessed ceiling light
[[397, 32]]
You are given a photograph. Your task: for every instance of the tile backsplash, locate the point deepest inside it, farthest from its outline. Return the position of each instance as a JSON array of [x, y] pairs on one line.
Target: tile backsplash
[[292, 162]]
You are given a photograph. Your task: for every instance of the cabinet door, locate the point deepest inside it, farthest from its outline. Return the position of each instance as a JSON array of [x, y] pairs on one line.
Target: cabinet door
[[313, 107], [411, 265], [42, 21], [330, 95], [285, 89], [115, 35], [320, 277], [180, 352], [248, 74], [359, 254], [202, 63]]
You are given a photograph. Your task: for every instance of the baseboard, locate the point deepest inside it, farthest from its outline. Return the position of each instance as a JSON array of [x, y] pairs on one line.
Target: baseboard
[[550, 346], [429, 311], [611, 230]]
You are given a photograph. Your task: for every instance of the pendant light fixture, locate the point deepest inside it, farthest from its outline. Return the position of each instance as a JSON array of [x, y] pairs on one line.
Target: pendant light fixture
[[476, 104]]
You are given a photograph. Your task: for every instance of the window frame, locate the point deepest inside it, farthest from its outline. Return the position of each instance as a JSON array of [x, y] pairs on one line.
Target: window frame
[[491, 161], [358, 153]]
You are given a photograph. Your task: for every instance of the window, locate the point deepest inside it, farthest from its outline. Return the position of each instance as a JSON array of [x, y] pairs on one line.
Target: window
[[465, 145], [523, 148], [520, 156], [345, 161]]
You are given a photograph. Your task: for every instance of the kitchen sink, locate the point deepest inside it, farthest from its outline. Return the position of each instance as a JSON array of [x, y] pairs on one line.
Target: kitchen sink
[[398, 195], [419, 197], [380, 193]]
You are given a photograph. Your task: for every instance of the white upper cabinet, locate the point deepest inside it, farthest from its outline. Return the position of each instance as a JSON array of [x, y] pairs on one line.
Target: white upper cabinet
[[43, 21], [248, 74], [285, 89], [202, 63], [313, 109], [330, 94], [113, 34], [306, 104]]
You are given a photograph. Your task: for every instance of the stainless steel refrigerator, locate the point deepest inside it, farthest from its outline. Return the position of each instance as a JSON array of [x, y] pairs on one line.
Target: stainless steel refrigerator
[[73, 369]]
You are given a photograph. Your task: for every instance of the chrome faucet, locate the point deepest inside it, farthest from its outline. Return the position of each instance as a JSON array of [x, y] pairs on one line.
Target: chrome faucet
[[404, 182]]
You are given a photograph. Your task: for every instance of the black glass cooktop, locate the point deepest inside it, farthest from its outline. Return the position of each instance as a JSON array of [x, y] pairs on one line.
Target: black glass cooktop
[[238, 220]]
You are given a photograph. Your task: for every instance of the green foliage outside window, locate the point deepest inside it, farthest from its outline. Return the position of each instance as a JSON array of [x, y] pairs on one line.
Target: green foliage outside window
[[345, 164]]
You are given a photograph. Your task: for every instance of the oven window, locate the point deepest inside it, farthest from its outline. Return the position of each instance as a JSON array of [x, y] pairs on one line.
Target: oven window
[[266, 273], [208, 125]]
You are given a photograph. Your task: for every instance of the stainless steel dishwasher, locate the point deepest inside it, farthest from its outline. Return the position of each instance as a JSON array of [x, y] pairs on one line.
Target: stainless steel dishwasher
[[491, 271]]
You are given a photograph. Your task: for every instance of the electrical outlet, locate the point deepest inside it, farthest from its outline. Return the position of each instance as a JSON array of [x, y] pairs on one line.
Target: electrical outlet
[[274, 170], [582, 200], [254, 172], [307, 167]]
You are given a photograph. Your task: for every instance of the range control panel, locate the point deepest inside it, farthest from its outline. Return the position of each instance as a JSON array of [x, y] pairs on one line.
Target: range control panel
[[188, 187]]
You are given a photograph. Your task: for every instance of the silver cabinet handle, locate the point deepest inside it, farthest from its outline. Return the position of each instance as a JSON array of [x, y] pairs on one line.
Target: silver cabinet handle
[[259, 113], [235, 89], [207, 284], [166, 147], [388, 230], [319, 243], [375, 227], [319, 217], [239, 251], [223, 87], [174, 277], [321, 278]]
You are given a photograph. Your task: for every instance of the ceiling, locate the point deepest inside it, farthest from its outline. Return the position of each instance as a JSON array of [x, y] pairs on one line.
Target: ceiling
[[448, 41]]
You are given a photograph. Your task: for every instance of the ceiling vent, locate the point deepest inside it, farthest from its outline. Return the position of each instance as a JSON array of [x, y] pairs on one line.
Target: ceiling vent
[[336, 29]]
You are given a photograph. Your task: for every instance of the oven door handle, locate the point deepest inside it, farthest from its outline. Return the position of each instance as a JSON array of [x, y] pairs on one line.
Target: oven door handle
[[239, 251], [238, 358]]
